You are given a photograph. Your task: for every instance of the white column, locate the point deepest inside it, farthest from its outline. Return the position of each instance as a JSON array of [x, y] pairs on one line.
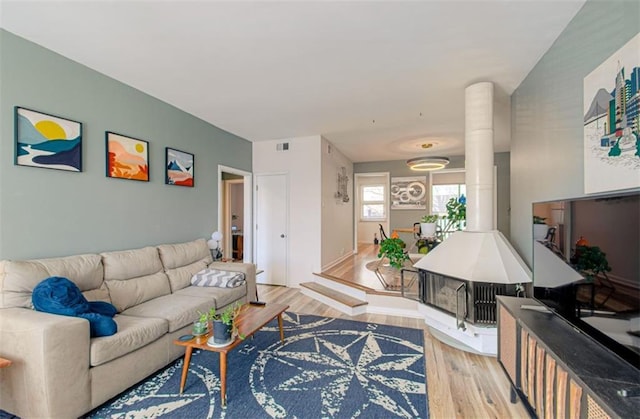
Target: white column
[[479, 156]]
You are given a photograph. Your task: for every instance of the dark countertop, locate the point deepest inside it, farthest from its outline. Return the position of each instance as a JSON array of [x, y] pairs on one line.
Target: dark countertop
[[590, 364]]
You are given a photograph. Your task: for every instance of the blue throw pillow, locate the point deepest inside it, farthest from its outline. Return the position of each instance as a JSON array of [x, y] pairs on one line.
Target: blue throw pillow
[[58, 295], [100, 325]]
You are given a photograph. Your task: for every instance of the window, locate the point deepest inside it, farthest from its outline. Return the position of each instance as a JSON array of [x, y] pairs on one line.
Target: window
[[446, 184], [441, 194], [373, 203]]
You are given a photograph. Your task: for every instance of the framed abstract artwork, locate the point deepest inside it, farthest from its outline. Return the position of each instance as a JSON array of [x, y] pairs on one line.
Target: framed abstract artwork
[[179, 168], [409, 192], [43, 140], [127, 158], [611, 121]]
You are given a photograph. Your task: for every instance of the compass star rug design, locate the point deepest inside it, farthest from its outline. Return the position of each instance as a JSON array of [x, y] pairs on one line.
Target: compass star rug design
[[326, 367]]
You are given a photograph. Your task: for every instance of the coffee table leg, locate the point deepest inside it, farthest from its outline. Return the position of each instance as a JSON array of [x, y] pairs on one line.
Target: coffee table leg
[[280, 326], [223, 378], [185, 367]]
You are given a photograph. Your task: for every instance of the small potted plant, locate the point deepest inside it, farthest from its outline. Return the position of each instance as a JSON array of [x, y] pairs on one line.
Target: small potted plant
[[540, 228], [224, 327], [428, 225], [200, 326]]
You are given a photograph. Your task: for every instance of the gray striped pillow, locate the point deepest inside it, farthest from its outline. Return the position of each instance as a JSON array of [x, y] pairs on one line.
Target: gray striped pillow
[[217, 278]]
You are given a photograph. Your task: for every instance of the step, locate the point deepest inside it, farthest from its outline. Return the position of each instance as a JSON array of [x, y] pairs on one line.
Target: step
[[334, 295]]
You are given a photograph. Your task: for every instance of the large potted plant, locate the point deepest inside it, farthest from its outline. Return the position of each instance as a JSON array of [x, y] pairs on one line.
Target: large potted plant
[[456, 218], [393, 249], [591, 261]]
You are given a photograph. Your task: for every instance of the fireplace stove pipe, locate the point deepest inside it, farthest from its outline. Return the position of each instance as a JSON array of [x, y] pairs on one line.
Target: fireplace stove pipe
[[479, 156]]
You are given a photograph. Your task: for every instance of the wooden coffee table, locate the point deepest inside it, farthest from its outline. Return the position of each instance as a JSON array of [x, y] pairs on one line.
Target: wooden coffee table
[[251, 319]]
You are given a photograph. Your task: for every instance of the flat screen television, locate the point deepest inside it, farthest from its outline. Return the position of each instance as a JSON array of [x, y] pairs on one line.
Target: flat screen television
[[586, 267]]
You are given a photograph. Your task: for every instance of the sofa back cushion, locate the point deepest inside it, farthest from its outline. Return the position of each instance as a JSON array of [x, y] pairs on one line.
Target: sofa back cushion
[[183, 260], [134, 276], [18, 278]]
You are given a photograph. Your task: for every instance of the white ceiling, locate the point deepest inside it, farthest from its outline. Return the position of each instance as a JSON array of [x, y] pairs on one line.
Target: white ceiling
[[377, 79]]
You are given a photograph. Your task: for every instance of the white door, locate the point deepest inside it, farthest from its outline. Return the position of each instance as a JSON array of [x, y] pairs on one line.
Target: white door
[[272, 202]]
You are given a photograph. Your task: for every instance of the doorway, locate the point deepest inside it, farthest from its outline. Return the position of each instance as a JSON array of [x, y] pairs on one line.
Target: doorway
[[235, 213], [272, 235]]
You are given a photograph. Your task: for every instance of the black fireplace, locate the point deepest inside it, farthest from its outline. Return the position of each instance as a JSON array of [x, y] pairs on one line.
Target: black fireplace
[[468, 301]]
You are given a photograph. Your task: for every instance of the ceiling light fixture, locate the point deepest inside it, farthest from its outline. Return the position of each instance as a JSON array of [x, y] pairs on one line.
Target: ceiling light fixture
[[427, 163]]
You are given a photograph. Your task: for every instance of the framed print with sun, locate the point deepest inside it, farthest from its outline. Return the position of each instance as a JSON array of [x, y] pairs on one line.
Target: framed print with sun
[[179, 168], [43, 140], [127, 158]]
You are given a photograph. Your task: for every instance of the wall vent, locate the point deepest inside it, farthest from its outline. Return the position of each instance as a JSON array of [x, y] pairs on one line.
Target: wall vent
[[282, 147]]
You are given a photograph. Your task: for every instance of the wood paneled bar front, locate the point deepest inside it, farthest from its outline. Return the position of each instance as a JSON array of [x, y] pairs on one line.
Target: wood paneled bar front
[[558, 371]]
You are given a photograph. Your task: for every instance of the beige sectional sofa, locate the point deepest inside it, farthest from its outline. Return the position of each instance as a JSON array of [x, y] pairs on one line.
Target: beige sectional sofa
[[58, 371]]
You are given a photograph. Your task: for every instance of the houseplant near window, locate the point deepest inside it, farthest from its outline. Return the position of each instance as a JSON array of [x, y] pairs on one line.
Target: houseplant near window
[[456, 214], [428, 225]]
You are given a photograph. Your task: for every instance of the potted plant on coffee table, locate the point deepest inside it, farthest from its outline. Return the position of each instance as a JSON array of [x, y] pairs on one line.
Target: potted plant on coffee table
[[200, 326], [224, 326]]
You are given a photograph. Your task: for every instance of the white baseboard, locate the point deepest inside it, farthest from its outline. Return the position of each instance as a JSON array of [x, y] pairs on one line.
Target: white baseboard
[[337, 261]]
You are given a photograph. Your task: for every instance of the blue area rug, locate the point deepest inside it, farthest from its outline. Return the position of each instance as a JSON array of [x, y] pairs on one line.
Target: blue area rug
[[325, 368]]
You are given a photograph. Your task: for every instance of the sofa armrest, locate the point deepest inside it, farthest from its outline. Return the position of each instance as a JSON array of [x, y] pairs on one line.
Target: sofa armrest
[[249, 270], [49, 376]]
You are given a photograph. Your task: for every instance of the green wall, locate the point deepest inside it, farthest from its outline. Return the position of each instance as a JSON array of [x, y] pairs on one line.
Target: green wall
[[547, 111], [47, 213], [406, 218]]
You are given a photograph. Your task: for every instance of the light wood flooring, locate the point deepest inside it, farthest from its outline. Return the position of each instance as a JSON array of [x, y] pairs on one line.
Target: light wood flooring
[[460, 384], [354, 270]]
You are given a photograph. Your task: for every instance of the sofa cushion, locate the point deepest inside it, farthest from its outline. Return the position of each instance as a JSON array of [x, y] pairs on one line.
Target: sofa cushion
[[221, 296], [127, 264], [181, 254], [98, 294], [19, 278], [134, 276], [133, 333], [177, 310], [181, 277], [182, 260], [130, 292]]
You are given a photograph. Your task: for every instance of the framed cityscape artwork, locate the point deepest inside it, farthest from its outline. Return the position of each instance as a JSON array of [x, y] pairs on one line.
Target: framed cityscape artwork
[[611, 119], [43, 140]]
